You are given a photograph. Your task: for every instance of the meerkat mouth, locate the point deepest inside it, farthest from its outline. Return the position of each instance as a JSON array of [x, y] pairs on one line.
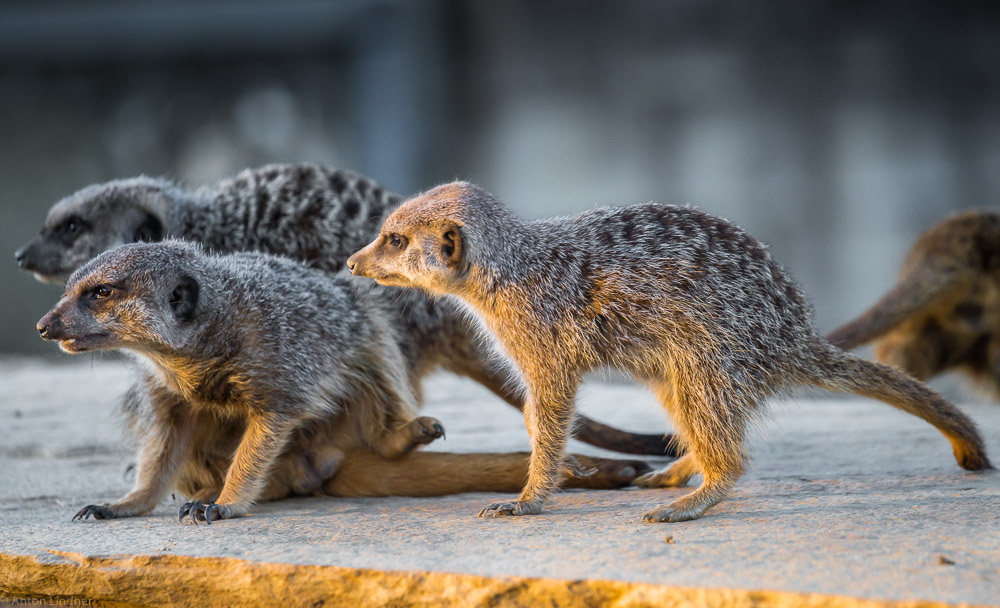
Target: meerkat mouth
[[82, 343], [391, 279], [49, 278]]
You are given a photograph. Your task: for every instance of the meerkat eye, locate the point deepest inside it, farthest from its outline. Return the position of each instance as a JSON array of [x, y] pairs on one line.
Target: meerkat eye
[[70, 229], [102, 292], [71, 225], [396, 240]]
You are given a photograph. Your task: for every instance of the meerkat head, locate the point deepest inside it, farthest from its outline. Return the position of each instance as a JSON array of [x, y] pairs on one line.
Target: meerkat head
[[93, 220], [139, 297], [423, 242]]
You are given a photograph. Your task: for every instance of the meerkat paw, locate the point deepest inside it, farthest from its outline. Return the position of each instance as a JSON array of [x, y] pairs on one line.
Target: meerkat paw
[[661, 479], [676, 475], [520, 507], [674, 513], [572, 468], [610, 473], [206, 512], [426, 429], [417, 432], [95, 511]]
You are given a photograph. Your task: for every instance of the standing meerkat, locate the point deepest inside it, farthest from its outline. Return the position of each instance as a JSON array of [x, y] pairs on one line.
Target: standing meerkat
[[685, 302], [254, 392], [944, 313], [303, 211]]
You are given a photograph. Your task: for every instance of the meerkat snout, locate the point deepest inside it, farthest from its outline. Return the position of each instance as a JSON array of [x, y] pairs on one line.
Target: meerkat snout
[[360, 263], [43, 328], [52, 326]]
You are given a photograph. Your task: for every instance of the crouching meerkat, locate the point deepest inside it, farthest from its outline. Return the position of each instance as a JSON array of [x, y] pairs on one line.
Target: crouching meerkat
[[686, 302], [303, 211], [944, 312], [264, 377]]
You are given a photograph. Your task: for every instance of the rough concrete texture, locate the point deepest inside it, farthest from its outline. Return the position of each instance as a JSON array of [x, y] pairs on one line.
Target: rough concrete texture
[[843, 498]]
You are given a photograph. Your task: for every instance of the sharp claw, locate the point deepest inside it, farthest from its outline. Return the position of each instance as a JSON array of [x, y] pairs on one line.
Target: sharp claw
[[440, 429], [199, 511], [498, 509], [94, 511]]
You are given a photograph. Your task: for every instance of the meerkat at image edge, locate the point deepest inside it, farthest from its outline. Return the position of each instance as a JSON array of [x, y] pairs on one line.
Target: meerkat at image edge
[[241, 404], [306, 212], [944, 312], [687, 303]]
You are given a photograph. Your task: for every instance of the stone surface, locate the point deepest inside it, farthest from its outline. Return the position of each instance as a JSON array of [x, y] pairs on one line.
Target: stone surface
[[843, 497]]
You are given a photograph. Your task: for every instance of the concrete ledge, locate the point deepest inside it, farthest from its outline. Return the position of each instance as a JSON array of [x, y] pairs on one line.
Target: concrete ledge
[[177, 580], [844, 499]]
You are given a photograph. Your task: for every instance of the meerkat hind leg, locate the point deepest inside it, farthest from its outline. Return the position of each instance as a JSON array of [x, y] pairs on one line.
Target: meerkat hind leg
[[715, 448]]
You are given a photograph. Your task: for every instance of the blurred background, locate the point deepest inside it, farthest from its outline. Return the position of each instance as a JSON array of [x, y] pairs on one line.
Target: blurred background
[[835, 130]]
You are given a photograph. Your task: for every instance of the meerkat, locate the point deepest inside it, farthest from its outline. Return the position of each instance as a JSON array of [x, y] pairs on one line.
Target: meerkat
[[944, 312], [244, 398], [685, 302], [307, 212]]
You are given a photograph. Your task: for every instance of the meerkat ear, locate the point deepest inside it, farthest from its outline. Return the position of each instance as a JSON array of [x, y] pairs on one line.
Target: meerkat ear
[[184, 298], [451, 245], [149, 230]]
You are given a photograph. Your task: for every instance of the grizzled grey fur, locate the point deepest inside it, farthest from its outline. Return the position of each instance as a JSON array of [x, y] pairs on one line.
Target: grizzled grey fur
[[686, 302], [307, 212], [289, 366], [240, 404]]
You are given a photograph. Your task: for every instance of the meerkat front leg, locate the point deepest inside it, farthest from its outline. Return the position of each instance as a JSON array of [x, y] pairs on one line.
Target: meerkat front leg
[[549, 417], [265, 437], [165, 447]]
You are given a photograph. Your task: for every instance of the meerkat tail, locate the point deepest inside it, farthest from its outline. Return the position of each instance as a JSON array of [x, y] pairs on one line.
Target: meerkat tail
[[842, 372], [364, 473], [911, 294], [603, 436]]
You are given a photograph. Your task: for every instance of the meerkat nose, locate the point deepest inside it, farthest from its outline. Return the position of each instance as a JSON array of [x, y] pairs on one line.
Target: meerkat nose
[[50, 327], [351, 264], [19, 257]]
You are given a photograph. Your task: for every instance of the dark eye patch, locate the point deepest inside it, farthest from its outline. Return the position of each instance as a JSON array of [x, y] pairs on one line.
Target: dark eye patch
[[71, 228]]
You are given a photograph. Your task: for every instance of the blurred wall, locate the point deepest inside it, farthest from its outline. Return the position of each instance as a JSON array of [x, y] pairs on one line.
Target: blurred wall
[[835, 131]]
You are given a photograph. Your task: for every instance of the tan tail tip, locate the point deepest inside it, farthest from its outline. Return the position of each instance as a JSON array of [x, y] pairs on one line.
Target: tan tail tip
[[974, 461]]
